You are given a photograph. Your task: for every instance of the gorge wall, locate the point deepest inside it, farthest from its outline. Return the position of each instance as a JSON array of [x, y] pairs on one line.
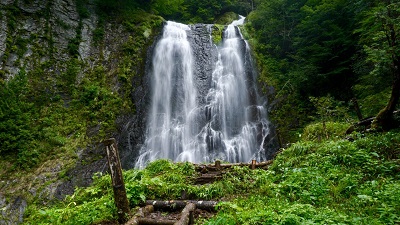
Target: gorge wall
[[71, 54]]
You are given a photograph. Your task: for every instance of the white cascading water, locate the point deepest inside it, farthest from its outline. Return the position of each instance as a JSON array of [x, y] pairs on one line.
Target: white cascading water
[[233, 130]]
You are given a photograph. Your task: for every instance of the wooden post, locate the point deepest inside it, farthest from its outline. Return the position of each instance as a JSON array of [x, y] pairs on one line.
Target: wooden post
[[253, 164], [121, 201], [218, 164]]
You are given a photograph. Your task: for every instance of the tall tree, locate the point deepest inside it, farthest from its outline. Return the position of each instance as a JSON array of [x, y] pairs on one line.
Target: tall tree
[[15, 116], [380, 32], [325, 46]]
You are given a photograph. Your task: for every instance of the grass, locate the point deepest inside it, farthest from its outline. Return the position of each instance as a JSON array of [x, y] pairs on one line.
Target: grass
[[312, 182], [331, 182]]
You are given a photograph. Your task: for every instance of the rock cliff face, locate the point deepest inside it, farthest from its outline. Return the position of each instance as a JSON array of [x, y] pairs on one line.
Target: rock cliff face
[[35, 32], [44, 36]]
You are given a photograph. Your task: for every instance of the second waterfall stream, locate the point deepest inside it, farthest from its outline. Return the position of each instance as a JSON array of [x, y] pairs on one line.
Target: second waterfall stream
[[203, 113]]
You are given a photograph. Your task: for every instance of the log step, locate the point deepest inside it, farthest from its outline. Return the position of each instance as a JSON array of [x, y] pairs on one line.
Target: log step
[[186, 216], [180, 204]]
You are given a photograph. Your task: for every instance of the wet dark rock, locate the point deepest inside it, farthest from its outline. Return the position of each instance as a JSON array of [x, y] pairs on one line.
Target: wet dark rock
[[12, 210], [205, 56]]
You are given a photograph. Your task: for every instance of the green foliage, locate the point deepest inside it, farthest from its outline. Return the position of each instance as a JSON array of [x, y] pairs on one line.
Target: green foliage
[[98, 35], [378, 61], [320, 48], [168, 9], [327, 109], [73, 44], [16, 112], [378, 24], [217, 32], [324, 131], [188, 11], [96, 102], [227, 18], [85, 206], [68, 78], [371, 100], [333, 182], [21, 46], [203, 11], [329, 182], [82, 8]]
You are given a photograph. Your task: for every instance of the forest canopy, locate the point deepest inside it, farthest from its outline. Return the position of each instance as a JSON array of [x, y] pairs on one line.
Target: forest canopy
[[189, 11], [339, 49]]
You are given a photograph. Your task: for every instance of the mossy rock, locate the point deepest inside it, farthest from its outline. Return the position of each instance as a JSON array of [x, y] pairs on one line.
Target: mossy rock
[[216, 33]]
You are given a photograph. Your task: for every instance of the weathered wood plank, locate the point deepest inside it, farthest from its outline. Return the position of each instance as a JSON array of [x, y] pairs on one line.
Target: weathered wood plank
[[114, 164], [187, 215]]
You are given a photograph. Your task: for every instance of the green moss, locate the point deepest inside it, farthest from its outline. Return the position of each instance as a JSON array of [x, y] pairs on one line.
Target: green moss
[[81, 6], [21, 44], [217, 32], [73, 45], [2, 76], [62, 24], [98, 34]]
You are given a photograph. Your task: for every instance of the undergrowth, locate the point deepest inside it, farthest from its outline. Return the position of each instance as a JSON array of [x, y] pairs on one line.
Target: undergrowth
[[311, 182], [331, 182]]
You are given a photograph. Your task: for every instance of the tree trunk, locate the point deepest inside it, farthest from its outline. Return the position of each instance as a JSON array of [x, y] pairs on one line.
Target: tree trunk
[[180, 204], [211, 167], [384, 118], [357, 109], [146, 221], [209, 177]]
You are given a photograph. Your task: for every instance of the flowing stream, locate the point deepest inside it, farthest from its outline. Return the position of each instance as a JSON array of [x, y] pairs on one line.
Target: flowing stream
[[201, 115]]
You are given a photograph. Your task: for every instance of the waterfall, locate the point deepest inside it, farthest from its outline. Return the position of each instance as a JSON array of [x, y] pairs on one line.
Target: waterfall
[[203, 121]]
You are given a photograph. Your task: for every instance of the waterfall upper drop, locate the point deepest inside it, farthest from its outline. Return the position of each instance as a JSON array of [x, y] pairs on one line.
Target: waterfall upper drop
[[199, 114]]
